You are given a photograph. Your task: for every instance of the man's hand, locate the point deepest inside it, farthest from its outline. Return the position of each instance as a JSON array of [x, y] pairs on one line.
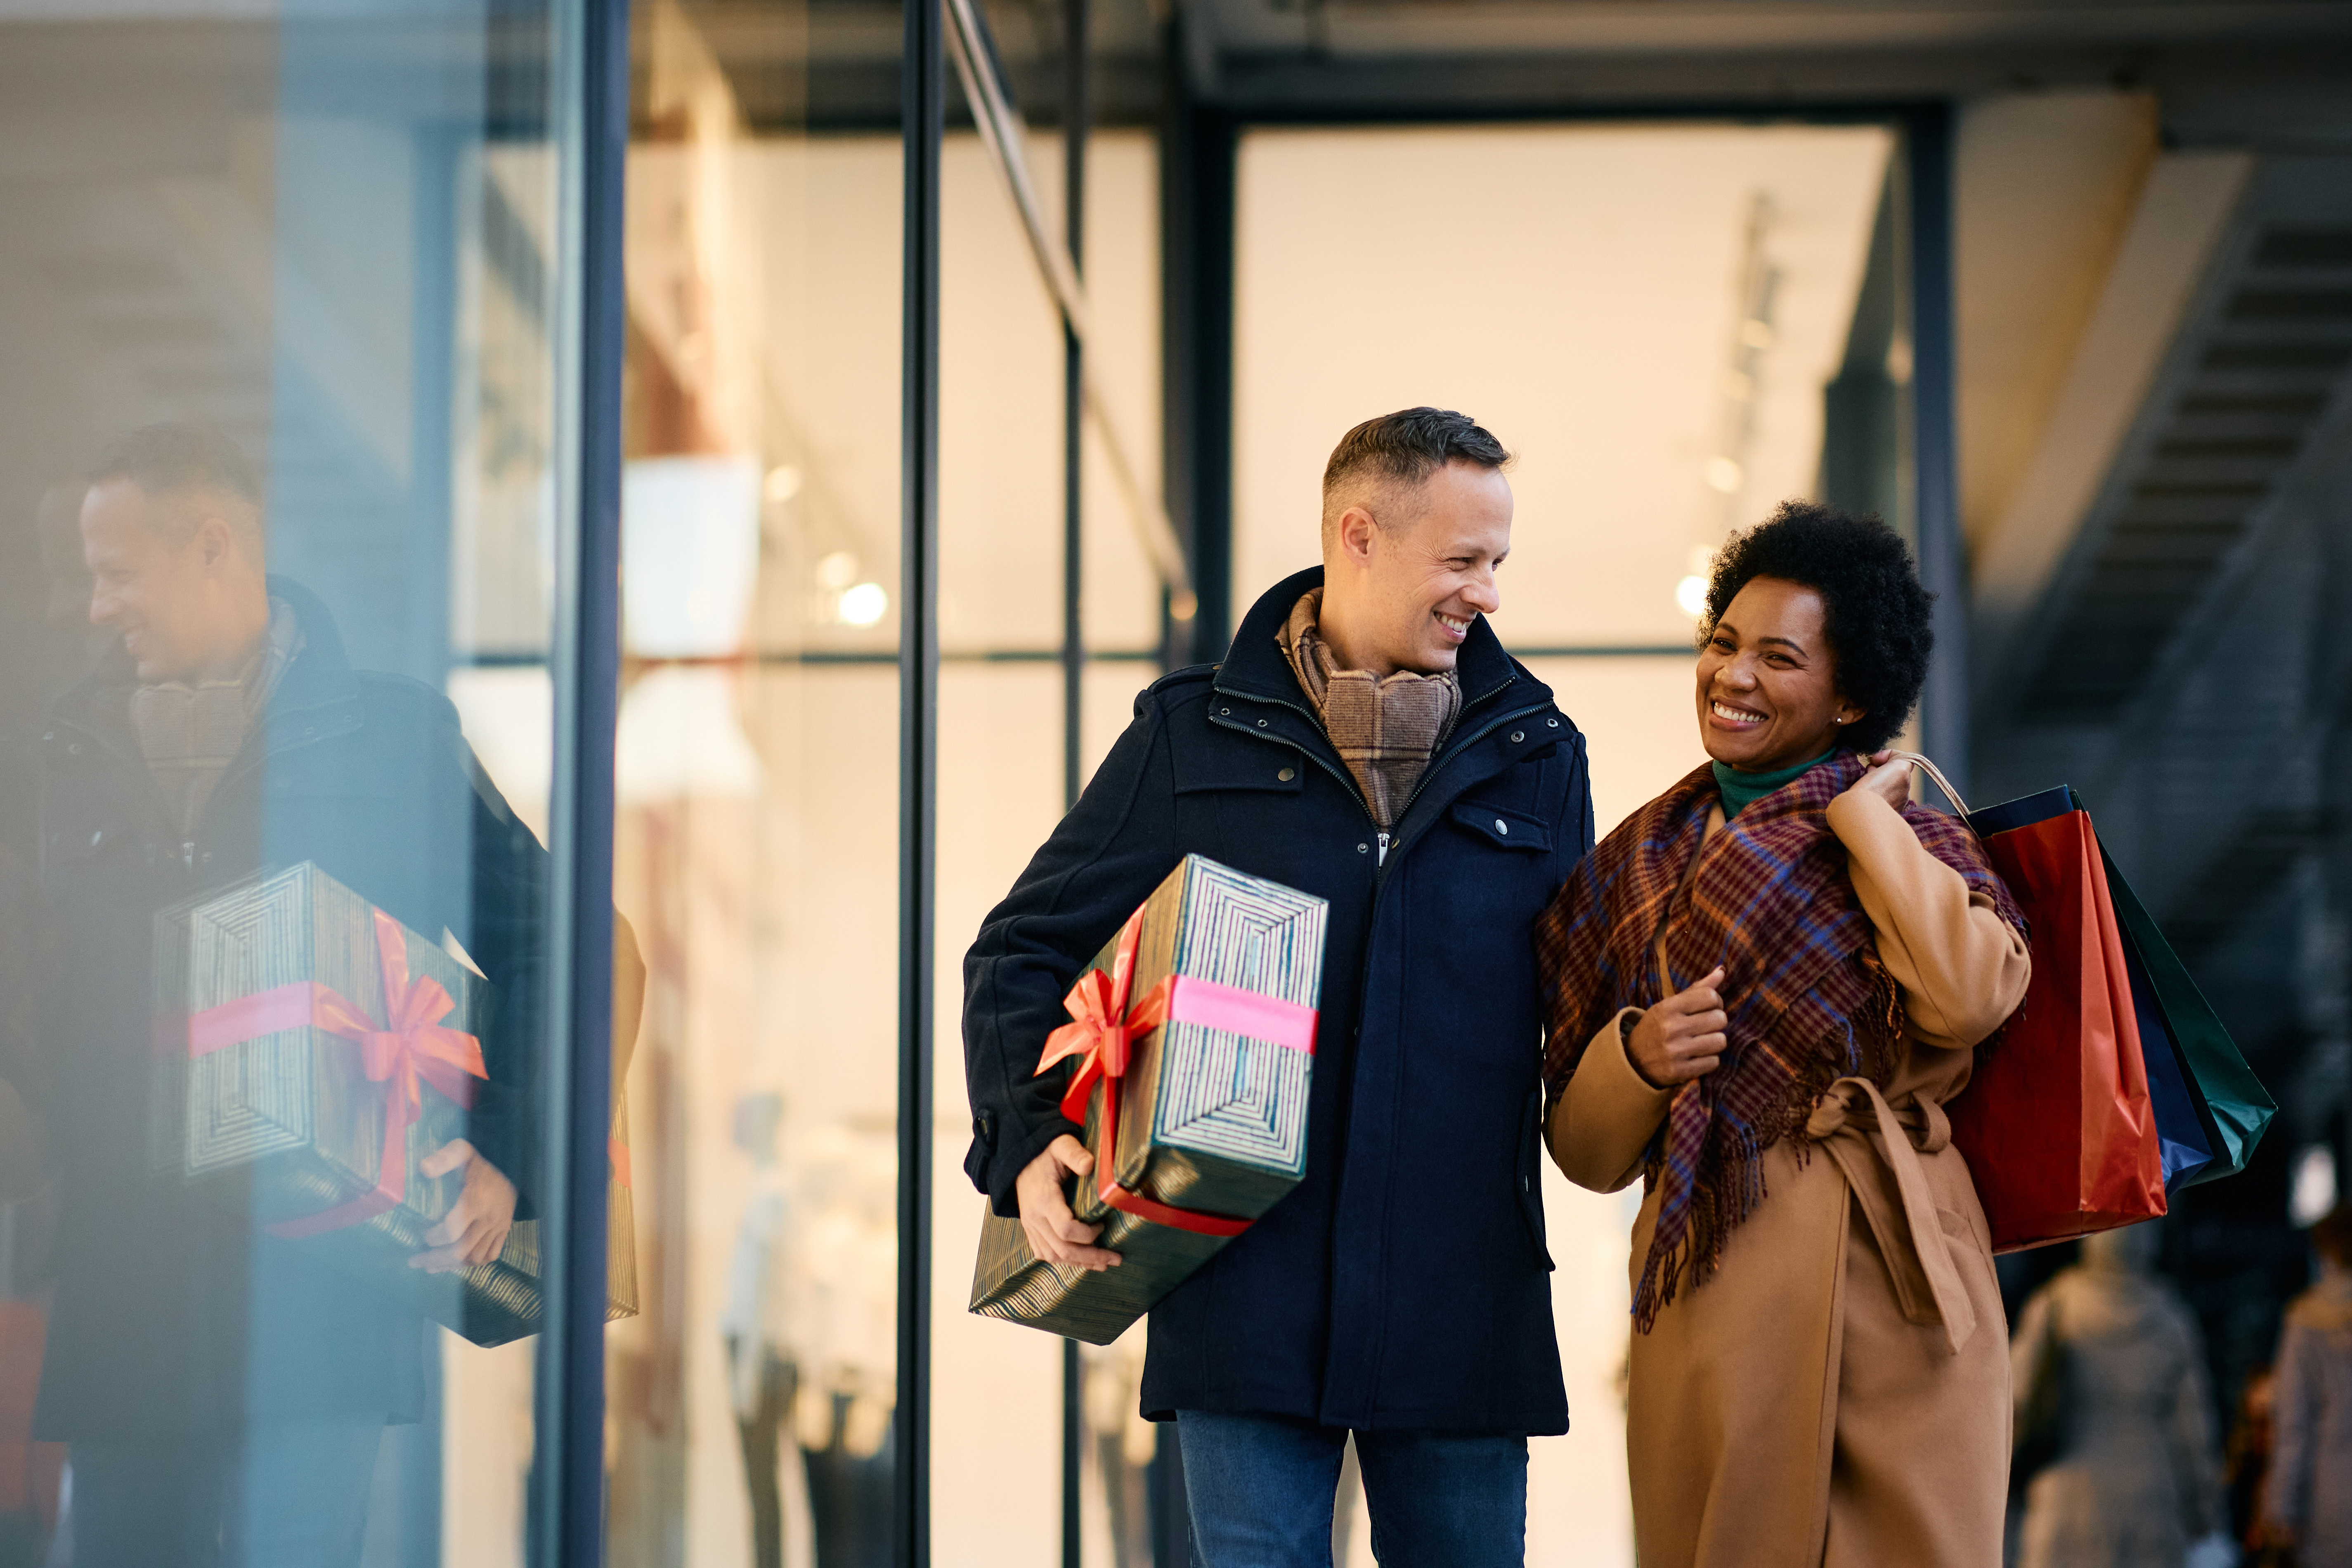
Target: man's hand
[[475, 1229], [1887, 779], [1682, 1037], [1055, 1233]]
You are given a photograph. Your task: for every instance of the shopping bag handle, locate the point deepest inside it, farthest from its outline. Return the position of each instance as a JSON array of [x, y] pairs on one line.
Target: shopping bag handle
[[1932, 771]]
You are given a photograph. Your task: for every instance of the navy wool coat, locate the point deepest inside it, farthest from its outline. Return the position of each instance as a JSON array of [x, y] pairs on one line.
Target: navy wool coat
[[1403, 1283]]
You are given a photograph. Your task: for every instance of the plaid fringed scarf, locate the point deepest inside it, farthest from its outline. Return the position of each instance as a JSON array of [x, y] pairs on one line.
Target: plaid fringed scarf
[[1808, 1001]]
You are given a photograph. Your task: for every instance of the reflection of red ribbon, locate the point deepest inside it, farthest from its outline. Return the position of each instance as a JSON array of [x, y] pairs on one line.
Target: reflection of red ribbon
[[412, 1045], [1103, 1032]]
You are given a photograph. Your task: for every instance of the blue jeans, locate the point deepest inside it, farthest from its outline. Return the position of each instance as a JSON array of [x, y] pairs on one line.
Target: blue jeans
[[1261, 1489]]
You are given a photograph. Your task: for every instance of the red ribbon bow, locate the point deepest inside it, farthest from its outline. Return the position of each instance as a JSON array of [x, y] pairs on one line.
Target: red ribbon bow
[[411, 1049], [1102, 1031]]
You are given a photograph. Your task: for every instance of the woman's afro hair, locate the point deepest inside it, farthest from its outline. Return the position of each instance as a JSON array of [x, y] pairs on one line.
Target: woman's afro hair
[[1876, 613]]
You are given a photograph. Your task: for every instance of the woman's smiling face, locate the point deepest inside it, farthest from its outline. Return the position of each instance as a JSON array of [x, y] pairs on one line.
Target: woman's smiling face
[[1768, 694]]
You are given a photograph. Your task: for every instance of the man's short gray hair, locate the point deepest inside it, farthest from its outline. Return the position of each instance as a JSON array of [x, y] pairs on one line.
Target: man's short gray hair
[[174, 459], [1402, 450]]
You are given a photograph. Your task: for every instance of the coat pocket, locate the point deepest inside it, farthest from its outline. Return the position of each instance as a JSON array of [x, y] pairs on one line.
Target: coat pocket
[[1502, 827]]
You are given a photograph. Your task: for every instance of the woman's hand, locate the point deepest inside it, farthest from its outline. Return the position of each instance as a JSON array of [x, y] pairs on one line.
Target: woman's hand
[[1888, 779], [1682, 1037]]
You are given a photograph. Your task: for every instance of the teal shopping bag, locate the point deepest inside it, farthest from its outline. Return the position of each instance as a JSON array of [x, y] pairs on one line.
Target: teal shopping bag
[[2232, 1103]]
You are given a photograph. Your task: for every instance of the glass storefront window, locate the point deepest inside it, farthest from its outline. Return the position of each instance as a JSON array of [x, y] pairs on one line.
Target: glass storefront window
[[751, 1404], [284, 482]]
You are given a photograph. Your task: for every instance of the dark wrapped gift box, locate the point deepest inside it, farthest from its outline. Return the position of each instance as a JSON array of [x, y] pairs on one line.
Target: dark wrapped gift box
[[1193, 1044], [318, 1050]]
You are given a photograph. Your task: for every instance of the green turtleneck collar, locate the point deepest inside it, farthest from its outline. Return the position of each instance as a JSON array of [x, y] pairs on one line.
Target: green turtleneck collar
[[1741, 790]]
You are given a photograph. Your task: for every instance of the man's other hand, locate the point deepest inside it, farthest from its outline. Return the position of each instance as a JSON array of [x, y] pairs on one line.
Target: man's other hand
[[1682, 1037], [475, 1229], [1055, 1233]]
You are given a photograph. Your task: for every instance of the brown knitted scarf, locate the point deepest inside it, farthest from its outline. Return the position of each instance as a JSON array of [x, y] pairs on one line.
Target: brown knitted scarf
[[190, 731], [1385, 730]]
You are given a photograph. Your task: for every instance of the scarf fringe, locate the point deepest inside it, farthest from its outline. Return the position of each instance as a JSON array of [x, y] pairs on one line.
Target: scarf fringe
[[1732, 1185]]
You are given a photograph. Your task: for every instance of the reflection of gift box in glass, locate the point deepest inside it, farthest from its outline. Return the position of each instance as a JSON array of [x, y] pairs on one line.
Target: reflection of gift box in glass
[[1194, 1040], [323, 1050]]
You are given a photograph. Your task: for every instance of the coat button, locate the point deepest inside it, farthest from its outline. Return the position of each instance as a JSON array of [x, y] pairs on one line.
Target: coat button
[[1286, 775], [1518, 734], [73, 748], [1261, 723], [1364, 848], [1553, 723], [1227, 711], [1501, 827]]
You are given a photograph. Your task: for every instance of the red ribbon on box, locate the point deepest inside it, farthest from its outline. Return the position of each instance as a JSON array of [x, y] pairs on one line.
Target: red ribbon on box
[[1102, 1031], [412, 1045]]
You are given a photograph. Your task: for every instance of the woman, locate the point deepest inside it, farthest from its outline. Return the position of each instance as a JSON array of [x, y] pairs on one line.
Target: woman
[[1764, 985]]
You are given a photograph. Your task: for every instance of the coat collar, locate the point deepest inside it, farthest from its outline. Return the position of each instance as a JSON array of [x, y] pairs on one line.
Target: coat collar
[[1256, 668], [320, 674]]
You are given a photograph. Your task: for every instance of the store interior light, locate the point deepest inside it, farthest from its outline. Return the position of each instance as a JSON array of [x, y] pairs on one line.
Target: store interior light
[[2312, 1192], [1724, 474], [863, 604], [1690, 595], [783, 483], [836, 570]]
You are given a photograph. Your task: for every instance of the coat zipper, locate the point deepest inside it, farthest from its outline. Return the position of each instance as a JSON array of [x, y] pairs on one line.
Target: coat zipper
[[188, 847]]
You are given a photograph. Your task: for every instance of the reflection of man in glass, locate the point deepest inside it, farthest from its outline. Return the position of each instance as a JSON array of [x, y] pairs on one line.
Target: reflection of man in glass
[[225, 1395]]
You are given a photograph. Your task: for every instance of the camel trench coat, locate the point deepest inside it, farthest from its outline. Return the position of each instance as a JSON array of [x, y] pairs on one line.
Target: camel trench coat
[[1837, 1393]]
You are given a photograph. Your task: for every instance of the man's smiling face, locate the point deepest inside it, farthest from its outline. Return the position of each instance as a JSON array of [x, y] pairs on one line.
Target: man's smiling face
[[1429, 575]]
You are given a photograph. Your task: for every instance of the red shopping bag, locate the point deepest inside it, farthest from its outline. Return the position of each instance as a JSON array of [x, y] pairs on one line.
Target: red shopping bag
[[2056, 1124]]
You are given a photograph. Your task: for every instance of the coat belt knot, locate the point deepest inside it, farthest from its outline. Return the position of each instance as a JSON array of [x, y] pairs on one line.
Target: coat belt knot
[[1878, 1149]]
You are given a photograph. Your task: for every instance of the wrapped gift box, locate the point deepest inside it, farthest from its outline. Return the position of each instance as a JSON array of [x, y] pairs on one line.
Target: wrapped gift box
[[315, 1047], [1192, 1046]]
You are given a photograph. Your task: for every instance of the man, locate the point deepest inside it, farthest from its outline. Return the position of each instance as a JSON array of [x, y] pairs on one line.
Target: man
[[225, 1395], [1369, 741]]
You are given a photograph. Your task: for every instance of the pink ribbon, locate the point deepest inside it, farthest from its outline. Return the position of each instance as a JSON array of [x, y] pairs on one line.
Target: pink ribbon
[[411, 1049]]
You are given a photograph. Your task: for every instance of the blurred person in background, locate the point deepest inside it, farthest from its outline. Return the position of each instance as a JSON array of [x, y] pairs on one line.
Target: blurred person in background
[[2308, 1505], [2246, 1466], [222, 1392], [2108, 1359]]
